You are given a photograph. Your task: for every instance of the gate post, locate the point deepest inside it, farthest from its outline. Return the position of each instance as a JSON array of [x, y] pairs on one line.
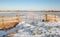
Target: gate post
[[3, 21], [17, 18], [55, 18]]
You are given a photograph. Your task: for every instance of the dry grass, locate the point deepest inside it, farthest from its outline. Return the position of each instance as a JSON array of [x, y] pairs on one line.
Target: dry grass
[[8, 25]]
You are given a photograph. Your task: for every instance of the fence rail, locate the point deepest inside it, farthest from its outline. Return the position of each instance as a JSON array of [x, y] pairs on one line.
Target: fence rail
[[7, 22]]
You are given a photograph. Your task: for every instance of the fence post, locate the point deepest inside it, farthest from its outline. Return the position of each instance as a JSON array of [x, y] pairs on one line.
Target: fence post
[[46, 17], [55, 18], [17, 18], [3, 21]]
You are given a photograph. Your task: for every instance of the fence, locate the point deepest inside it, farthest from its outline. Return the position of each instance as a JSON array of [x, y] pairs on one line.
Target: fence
[[7, 22], [50, 17]]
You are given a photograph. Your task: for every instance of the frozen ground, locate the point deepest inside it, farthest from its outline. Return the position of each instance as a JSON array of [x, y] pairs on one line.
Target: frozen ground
[[32, 29], [42, 29]]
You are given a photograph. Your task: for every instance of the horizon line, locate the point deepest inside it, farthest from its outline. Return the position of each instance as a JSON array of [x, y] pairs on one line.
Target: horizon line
[[29, 10]]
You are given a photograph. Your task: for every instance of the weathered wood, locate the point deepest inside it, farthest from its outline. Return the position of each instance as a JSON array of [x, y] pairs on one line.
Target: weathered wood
[[51, 18], [7, 24]]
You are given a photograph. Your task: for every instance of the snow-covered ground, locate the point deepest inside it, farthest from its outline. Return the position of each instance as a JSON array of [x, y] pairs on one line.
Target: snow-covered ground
[[34, 27], [42, 29]]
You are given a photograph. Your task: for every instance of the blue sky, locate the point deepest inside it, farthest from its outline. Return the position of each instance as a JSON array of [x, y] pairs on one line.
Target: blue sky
[[29, 4]]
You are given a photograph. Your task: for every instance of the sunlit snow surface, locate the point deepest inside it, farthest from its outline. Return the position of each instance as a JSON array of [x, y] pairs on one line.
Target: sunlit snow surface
[[28, 28], [42, 29]]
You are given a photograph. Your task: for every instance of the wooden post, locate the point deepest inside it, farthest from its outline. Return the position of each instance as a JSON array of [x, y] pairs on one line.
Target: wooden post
[[33, 18], [17, 18], [46, 17], [3, 21], [55, 19]]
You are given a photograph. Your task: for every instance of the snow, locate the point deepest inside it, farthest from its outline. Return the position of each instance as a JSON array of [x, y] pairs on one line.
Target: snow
[[41, 29], [37, 30]]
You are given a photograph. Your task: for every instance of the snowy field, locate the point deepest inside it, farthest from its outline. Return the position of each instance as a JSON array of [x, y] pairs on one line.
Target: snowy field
[[33, 27], [42, 29]]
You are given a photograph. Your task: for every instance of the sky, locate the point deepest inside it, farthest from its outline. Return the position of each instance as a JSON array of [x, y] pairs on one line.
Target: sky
[[29, 4]]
